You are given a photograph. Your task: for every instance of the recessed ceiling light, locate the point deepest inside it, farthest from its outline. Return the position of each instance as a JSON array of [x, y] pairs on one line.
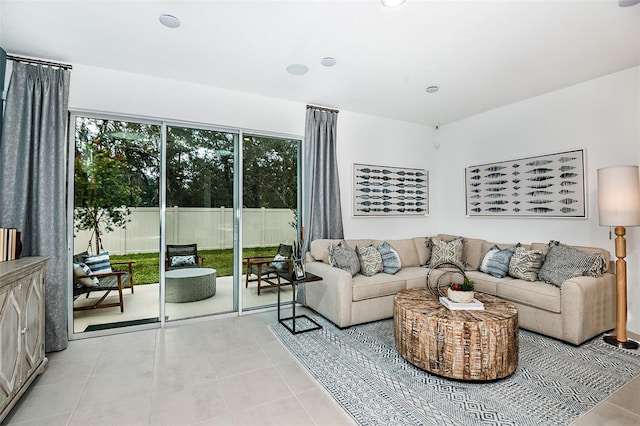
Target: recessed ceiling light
[[297, 69], [432, 89], [328, 61], [169, 21], [627, 3], [392, 3]]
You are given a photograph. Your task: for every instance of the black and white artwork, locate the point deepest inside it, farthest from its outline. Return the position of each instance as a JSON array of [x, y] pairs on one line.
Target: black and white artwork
[[544, 186], [389, 191]]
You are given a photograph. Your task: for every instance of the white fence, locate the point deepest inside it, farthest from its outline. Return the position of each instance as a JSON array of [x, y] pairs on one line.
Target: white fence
[[210, 228]]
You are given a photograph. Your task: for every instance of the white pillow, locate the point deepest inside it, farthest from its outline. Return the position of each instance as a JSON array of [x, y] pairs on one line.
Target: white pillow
[[183, 260], [81, 274]]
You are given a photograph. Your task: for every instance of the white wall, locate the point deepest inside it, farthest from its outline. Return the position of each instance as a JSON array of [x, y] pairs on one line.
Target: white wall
[[373, 140], [601, 116], [361, 138]]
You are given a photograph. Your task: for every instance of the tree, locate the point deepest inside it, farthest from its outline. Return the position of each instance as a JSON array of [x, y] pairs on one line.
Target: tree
[[116, 167]]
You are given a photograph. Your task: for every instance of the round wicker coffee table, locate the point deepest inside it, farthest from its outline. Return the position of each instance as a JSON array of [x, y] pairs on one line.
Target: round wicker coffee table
[[189, 284], [465, 345]]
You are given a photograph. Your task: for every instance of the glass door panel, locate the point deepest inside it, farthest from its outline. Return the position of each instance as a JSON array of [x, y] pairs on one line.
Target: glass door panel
[[199, 213], [116, 216], [269, 215]]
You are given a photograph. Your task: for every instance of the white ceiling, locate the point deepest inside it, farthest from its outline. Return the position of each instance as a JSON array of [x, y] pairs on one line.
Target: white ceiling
[[482, 54]]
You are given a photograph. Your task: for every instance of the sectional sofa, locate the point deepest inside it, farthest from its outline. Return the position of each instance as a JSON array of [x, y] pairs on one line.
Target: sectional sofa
[[575, 311]]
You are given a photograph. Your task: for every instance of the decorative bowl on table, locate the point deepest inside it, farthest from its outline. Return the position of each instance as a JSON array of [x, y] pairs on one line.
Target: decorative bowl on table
[[461, 293], [460, 296]]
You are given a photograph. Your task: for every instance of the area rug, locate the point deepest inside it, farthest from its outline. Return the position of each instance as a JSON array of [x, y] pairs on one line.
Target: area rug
[[553, 385]]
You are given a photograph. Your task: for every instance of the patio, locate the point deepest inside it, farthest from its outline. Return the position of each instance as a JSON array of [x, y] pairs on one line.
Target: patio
[[144, 305]]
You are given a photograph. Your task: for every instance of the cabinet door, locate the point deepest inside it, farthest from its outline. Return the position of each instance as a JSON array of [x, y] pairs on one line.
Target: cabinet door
[[10, 348], [32, 323]]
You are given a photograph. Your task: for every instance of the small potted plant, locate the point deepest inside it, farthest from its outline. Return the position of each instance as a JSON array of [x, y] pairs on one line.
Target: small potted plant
[[461, 293]]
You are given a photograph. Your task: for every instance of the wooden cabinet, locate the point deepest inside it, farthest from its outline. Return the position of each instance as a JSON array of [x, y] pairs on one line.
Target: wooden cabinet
[[21, 327]]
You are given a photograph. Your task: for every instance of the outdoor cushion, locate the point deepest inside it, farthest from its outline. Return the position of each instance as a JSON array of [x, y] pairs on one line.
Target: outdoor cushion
[[99, 263], [183, 261], [81, 274]]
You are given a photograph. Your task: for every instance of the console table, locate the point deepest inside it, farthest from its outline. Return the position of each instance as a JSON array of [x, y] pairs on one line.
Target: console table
[[21, 327]]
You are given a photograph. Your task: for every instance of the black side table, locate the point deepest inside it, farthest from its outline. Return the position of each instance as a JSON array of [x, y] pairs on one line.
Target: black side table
[[294, 282]]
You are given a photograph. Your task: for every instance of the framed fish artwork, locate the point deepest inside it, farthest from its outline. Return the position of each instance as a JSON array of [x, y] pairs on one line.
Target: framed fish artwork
[[544, 186], [390, 191]]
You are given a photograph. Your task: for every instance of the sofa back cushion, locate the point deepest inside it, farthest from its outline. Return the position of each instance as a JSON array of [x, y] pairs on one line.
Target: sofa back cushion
[[424, 252], [406, 250]]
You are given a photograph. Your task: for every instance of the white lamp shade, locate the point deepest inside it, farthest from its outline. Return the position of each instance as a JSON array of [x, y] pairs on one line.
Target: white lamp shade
[[619, 196]]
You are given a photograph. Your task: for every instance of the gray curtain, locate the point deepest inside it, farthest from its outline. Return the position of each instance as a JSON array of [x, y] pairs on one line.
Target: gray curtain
[[33, 150], [321, 208]]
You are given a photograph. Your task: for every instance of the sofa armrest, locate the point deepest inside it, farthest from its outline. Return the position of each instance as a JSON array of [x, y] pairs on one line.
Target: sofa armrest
[[331, 297], [588, 307]]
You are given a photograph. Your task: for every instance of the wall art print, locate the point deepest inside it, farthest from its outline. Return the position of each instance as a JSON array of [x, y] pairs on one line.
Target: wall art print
[[544, 186], [390, 191]]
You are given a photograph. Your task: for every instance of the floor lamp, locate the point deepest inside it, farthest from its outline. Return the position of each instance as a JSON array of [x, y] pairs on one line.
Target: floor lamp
[[619, 206]]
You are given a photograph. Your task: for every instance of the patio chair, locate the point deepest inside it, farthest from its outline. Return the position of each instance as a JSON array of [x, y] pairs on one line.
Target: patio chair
[[265, 269], [118, 277], [180, 256]]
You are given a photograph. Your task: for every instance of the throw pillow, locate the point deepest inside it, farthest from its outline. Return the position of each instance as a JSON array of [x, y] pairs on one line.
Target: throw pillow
[[81, 274], [278, 264], [564, 262], [390, 258], [446, 252], [370, 260], [496, 262], [176, 261], [344, 257], [525, 264], [99, 263]]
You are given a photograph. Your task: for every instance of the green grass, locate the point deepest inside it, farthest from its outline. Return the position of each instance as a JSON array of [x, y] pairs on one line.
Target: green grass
[[146, 269]]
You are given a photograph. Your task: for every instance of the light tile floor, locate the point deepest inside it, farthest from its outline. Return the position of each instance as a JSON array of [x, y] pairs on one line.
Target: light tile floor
[[225, 371]]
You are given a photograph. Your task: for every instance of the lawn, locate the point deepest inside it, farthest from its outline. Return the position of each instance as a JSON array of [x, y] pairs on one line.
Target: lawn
[[146, 269]]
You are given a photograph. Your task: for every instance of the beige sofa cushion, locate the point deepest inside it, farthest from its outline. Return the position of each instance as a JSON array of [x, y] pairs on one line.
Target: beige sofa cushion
[[406, 250], [319, 249], [485, 283], [537, 294], [415, 276], [378, 285], [424, 252]]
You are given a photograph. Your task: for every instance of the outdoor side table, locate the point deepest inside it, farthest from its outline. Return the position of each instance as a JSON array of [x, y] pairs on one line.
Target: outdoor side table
[[309, 278]]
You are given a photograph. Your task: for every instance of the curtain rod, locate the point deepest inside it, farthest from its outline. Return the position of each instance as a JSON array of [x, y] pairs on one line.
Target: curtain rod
[[38, 62], [322, 109]]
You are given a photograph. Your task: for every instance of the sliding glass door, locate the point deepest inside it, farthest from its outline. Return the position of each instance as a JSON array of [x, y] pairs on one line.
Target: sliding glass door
[[173, 212], [200, 181], [116, 197], [269, 215]]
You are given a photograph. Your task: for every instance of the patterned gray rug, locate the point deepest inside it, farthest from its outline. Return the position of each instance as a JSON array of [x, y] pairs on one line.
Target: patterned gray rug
[[553, 385]]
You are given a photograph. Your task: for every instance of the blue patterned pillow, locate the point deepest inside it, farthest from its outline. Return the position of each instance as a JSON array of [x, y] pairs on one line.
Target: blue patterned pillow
[[390, 258], [99, 263], [496, 261]]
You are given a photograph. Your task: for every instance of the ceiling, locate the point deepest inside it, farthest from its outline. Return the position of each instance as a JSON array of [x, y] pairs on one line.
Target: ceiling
[[481, 54]]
